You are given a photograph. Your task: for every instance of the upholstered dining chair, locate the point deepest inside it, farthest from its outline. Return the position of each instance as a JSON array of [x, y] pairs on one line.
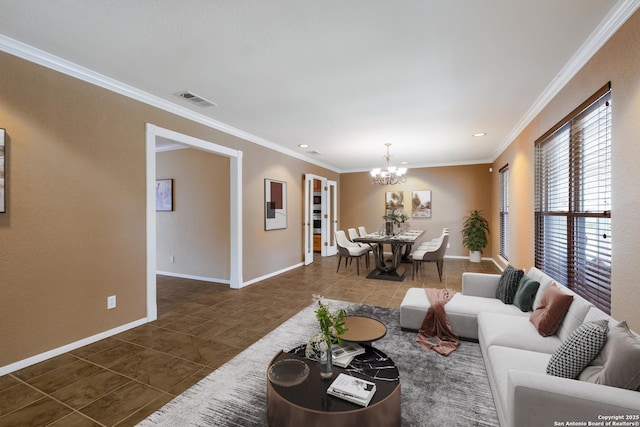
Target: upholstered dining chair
[[353, 234], [434, 243], [362, 231], [430, 254], [349, 250]]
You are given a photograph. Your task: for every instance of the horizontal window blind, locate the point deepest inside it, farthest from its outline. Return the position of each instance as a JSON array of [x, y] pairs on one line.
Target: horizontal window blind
[[573, 201]]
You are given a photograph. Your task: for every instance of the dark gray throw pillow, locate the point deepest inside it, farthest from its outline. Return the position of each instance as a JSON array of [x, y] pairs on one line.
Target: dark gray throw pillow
[[508, 284], [526, 293], [579, 349]]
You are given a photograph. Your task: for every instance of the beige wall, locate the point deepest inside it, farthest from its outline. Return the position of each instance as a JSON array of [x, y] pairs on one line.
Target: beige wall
[[455, 190], [619, 62], [196, 232], [75, 228]]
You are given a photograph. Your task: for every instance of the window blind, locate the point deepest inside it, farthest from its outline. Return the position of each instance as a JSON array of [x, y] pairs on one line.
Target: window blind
[[573, 200], [504, 212]]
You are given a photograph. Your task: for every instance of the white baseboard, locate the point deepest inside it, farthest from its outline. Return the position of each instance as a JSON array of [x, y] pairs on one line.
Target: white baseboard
[[69, 347], [267, 276], [191, 276]]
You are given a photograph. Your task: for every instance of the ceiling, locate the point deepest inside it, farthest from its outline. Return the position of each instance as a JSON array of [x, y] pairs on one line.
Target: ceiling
[[344, 77]]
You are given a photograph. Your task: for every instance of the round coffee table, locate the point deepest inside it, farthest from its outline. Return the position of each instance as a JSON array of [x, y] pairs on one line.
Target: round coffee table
[[361, 329], [308, 404]]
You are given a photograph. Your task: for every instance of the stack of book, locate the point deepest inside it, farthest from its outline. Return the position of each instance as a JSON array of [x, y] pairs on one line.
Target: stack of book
[[352, 389], [344, 354]]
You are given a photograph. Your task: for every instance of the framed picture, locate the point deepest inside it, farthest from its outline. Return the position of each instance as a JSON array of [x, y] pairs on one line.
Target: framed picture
[[421, 204], [275, 204], [164, 195], [3, 208], [394, 200]]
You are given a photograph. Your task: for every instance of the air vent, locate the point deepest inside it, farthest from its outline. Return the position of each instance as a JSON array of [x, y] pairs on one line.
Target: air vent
[[198, 100], [314, 153]]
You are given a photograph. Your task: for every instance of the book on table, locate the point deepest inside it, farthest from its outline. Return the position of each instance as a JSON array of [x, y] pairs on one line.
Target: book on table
[[343, 354], [353, 389]]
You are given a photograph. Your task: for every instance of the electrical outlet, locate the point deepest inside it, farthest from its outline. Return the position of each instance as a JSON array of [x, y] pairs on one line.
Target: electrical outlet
[[111, 302], [448, 245], [172, 259]]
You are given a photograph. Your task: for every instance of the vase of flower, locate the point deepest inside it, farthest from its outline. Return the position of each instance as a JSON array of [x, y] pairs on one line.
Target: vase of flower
[[326, 362], [331, 327], [388, 226]]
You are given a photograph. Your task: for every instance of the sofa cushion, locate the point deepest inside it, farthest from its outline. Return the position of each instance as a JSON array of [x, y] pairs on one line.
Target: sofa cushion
[[575, 314], [618, 364], [526, 293], [508, 284], [513, 331], [582, 346], [501, 360], [544, 280], [462, 311], [553, 306]]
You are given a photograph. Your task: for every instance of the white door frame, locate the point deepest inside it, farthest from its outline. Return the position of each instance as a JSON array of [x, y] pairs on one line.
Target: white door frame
[[330, 216], [235, 159]]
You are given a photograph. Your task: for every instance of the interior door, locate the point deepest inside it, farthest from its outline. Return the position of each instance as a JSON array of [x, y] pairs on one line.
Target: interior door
[[307, 220], [330, 217]]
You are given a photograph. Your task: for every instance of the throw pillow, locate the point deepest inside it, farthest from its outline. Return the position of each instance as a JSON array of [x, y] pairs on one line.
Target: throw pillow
[[582, 346], [526, 293], [508, 284], [553, 306], [618, 364]]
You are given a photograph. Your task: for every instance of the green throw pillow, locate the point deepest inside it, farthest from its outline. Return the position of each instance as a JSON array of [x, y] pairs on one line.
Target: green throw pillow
[[526, 293]]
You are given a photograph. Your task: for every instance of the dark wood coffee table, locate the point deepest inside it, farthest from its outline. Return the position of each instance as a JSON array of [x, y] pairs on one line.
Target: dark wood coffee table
[[308, 404]]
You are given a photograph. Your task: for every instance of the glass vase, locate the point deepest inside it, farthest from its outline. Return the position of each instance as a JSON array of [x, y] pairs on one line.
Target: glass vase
[[326, 362]]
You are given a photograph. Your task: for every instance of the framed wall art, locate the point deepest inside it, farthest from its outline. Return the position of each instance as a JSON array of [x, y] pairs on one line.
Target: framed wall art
[[3, 201], [164, 195], [275, 204], [421, 204], [394, 200]]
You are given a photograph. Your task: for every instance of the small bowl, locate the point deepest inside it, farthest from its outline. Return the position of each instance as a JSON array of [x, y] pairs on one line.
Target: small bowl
[[288, 372]]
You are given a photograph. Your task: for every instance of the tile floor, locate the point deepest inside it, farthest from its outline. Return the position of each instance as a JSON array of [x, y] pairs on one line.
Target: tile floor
[[122, 379]]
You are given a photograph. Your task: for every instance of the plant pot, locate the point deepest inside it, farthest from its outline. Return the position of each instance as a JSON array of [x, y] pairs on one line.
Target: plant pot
[[475, 256]]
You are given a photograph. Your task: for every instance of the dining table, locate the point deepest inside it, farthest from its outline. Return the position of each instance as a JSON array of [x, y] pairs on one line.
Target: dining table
[[400, 244]]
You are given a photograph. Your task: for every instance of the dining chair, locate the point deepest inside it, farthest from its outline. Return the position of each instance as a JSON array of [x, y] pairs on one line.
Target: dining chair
[[349, 250], [362, 231], [430, 254]]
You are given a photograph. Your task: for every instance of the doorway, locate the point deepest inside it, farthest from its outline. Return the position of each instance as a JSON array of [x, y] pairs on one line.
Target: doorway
[[321, 217], [155, 133]]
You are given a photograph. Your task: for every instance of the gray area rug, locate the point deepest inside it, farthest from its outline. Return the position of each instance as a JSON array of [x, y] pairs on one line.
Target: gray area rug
[[436, 390]]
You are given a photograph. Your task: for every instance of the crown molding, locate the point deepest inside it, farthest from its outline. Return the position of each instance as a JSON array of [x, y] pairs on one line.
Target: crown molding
[[45, 59], [603, 32]]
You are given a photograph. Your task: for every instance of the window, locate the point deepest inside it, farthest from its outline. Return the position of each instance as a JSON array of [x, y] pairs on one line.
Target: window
[[504, 212], [573, 200]]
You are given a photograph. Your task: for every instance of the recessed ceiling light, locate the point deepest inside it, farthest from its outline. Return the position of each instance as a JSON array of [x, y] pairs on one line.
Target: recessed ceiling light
[[479, 134], [404, 163], [303, 145]]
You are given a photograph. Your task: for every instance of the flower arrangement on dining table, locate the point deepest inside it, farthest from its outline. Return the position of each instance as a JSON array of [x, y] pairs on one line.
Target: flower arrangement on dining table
[[395, 216]]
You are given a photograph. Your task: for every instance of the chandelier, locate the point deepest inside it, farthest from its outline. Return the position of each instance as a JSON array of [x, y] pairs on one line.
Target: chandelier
[[390, 174]]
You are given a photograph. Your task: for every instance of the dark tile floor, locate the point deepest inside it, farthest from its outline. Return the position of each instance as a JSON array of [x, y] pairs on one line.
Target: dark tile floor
[[122, 379]]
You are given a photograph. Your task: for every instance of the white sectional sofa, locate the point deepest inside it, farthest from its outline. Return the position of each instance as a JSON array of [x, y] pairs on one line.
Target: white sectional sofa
[[516, 356]]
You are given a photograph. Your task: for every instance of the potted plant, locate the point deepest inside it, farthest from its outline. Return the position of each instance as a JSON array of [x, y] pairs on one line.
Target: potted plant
[[394, 217], [475, 231], [331, 327]]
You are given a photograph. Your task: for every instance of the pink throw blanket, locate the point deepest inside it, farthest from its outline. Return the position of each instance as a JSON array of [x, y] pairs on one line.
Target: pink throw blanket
[[436, 325]]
